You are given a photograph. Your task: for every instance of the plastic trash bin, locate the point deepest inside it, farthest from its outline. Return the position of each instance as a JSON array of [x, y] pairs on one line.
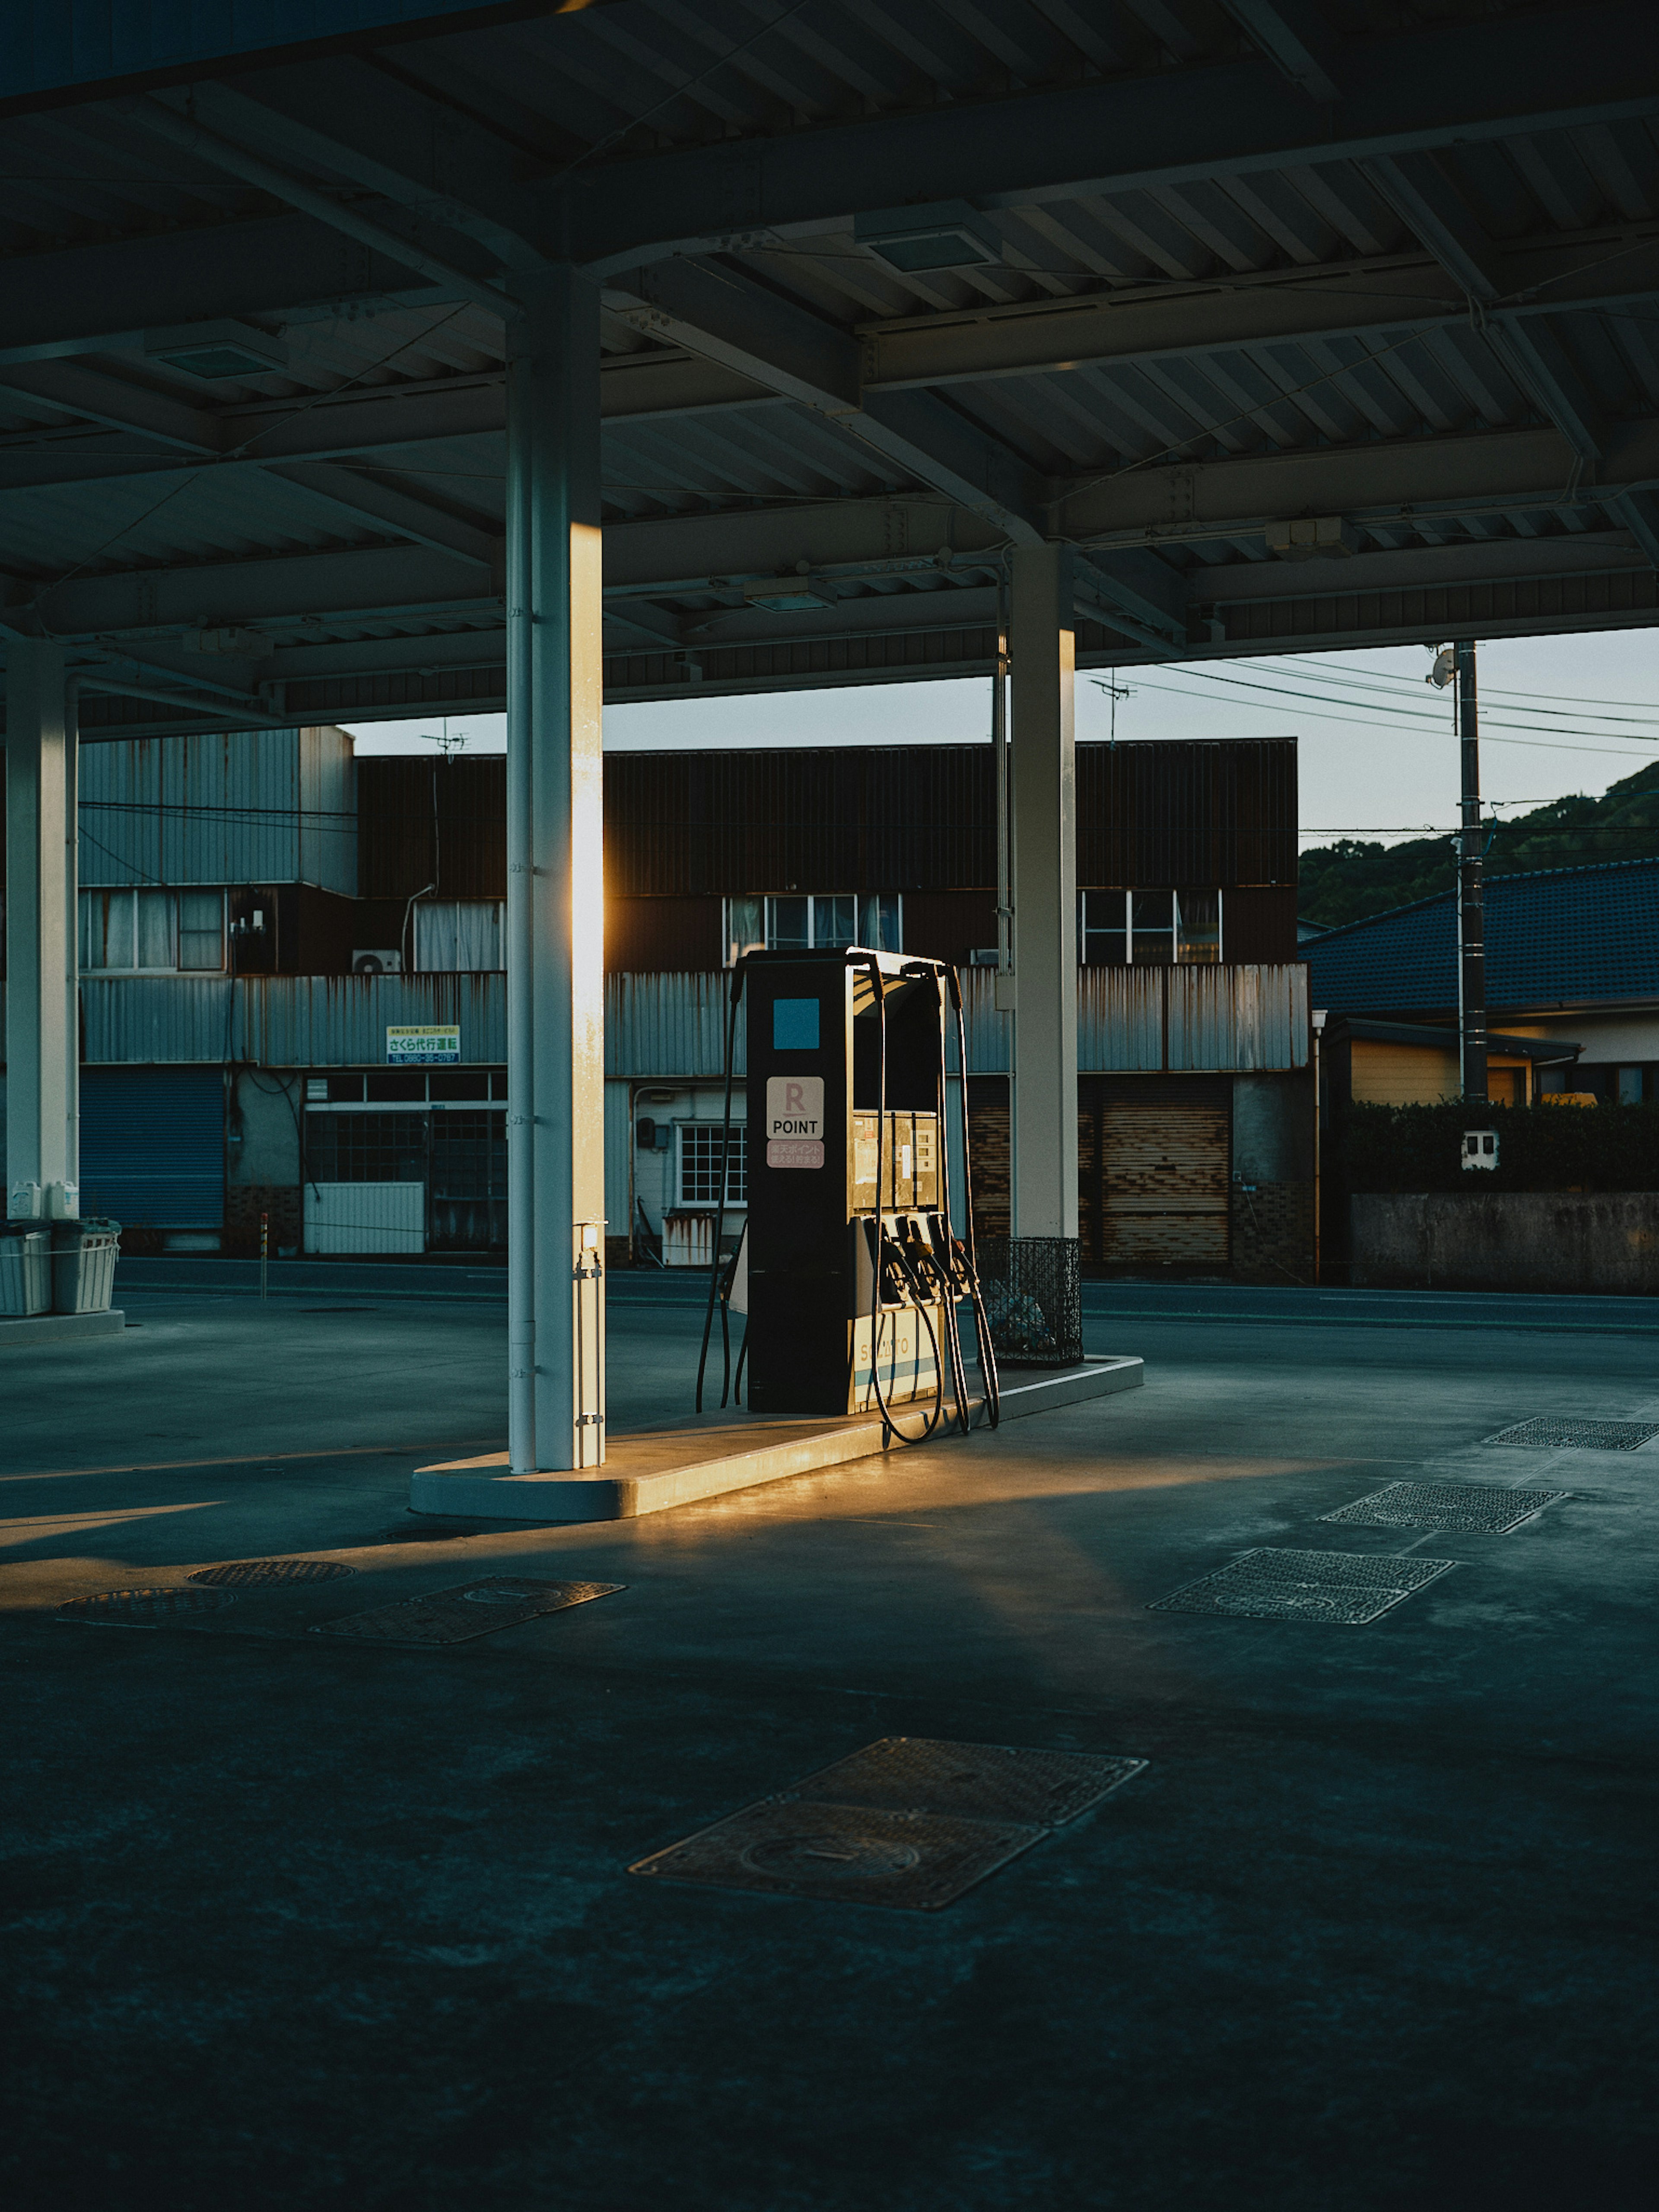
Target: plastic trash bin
[[83, 1265], [25, 1269]]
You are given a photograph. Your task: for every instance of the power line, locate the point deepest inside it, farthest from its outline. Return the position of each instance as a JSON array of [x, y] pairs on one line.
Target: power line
[[1324, 711]]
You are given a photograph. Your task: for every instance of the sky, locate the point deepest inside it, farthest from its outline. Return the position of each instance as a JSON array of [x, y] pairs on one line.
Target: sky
[[1378, 755]]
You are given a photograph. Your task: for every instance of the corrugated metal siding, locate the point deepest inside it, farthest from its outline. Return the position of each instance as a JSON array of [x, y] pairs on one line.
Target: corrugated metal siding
[[1222, 1018], [989, 1034], [365, 1216], [661, 1026], [923, 818], [425, 822], [328, 822], [241, 806], [1120, 1019], [1239, 1018], [1187, 812], [285, 1021], [842, 819]]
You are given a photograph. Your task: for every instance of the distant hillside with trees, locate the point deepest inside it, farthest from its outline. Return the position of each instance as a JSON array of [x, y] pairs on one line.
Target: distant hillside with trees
[[1352, 879]]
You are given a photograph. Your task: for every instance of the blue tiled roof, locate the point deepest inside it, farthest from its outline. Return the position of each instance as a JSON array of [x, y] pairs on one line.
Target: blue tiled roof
[[1564, 935]]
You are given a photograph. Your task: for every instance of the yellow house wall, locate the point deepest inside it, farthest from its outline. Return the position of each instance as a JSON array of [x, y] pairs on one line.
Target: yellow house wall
[[1402, 1074], [1417, 1074]]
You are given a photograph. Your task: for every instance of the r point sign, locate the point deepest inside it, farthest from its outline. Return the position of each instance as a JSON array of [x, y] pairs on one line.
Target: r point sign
[[794, 1120]]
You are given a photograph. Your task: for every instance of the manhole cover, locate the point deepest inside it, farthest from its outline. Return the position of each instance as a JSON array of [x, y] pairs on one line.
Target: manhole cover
[[1344, 1588], [834, 1856], [974, 1781], [139, 1607], [1471, 1508], [451, 1616], [1546, 1434], [255, 1574], [848, 1853]]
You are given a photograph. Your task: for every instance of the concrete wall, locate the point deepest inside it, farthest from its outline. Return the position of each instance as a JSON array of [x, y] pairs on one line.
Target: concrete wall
[[1507, 1241], [1273, 1196], [262, 1161]]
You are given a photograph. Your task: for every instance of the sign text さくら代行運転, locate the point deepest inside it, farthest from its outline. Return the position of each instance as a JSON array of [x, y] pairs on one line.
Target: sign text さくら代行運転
[[424, 1044]]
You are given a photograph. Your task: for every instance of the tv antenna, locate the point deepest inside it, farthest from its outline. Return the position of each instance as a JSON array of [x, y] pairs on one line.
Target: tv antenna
[[1113, 692]]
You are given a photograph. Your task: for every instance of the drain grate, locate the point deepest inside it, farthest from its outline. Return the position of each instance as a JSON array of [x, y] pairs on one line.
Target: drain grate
[[453, 1616], [847, 1854], [1466, 1507], [1548, 1434], [974, 1781], [259, 1574], [124, 1607], [907, 1821], [1347, 1589]]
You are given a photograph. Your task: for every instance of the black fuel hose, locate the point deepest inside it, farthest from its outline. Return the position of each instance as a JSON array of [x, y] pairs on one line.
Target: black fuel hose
[[715, 1287], [988, 1357]]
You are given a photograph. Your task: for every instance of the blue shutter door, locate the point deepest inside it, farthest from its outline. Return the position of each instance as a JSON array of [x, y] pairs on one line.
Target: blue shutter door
[[153, 1146]]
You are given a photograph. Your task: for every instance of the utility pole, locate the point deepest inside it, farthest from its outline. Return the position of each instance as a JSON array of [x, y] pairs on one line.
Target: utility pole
[[999, 772], [1471, 918]]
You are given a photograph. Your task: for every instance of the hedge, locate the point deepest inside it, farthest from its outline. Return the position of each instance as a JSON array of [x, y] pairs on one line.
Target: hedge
[[1420, 1148]]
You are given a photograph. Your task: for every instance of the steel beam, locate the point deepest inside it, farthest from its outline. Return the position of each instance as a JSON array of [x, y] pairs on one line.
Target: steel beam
[[1433, 84], [425, 154], [104, 297], [1377, 299], [722, 312], [1423, 196], [157, 115]]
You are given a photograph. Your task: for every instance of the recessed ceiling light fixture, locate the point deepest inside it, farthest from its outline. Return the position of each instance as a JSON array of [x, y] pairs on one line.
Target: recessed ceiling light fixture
[[949, 234], [217, 351], [789, 595]]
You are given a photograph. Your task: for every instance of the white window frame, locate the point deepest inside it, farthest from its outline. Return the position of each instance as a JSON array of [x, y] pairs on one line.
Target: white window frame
[[766, 900], [738, 1164], [1110, 891]]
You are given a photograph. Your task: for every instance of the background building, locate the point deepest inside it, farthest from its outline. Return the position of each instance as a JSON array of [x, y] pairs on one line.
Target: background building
[[1572, 990], [261, 913]]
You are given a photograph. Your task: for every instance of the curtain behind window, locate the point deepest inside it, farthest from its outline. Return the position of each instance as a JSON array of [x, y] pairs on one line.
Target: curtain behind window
[[460, 935]]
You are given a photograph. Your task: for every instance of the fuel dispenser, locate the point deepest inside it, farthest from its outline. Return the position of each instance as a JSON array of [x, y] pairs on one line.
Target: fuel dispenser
[[848, 1269]]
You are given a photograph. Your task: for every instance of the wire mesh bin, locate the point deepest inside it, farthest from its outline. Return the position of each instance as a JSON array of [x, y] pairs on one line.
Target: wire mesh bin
[[25, 1270], [1033, 1288], [83, 1265]]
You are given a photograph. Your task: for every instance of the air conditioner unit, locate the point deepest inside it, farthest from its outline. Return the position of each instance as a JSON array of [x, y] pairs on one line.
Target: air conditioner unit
[[377, 963]]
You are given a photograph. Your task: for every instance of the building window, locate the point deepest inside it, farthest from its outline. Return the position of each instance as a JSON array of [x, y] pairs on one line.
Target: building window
[[699, 1165], [202, 930], [152, 932], [366, 1147], [1148, 928], [813, 921], [460, 936]]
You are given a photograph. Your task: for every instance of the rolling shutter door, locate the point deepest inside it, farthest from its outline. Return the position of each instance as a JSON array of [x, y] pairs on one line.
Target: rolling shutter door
[[153, 1146], [1164, 1184]]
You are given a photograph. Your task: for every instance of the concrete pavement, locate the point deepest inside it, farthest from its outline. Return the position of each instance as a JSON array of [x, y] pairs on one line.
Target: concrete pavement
[[293, 1922]]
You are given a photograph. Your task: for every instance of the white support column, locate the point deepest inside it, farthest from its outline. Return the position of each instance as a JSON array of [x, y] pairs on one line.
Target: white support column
[[41, 1042], [1042, 652], [555, 888], [72, 945]]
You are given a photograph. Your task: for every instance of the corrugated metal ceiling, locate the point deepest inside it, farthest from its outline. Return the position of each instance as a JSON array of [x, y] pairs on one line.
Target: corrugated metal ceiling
[[599, 93]]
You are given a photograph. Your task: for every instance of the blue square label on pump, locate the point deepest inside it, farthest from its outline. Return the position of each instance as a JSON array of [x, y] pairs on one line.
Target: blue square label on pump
[[794, 1025]]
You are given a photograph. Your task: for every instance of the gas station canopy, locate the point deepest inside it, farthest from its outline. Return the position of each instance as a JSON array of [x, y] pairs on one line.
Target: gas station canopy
[[1308, 323]]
